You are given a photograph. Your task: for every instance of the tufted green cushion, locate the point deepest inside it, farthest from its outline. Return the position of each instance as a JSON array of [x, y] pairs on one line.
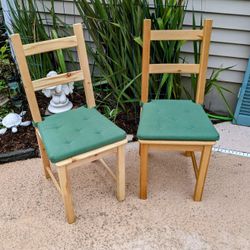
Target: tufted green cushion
[[175, 120], [77, 131]]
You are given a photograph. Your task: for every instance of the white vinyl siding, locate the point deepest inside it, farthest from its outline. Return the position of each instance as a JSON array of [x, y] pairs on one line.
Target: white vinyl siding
[[230, 44], [230, 37]]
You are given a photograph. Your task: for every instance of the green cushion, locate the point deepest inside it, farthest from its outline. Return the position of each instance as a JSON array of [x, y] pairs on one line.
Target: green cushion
[[175, 120], [77, 131]]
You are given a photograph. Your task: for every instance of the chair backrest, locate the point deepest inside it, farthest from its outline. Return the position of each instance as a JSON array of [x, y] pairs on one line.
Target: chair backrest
[[22, 51], [168, 35]]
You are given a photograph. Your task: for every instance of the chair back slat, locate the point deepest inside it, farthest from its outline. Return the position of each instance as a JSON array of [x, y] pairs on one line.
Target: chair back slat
[[47, 46], [47, 82], [149, 35], [186, 35], [173, 68], [22, 51]]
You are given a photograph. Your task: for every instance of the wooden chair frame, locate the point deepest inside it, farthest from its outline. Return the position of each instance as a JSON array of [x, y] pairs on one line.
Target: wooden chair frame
[[189, 147], [63, 186]]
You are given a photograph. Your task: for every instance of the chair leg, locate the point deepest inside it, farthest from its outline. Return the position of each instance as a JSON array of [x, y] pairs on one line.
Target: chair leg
[[205, 156], [66, 193], [44, 156], [120, 175], [143, 171], [196, 169]]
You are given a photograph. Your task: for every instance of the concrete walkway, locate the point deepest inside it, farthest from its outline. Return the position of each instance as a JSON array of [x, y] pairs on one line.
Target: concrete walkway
[[233, 139], [32, 214]]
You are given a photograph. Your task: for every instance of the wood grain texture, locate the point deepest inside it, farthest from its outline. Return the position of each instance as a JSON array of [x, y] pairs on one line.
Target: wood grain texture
[[26, 78], [200, 91], [66, 193], [95, 157], [185, 35], [176, 147], [44, 156], [90, 153], [199, 143], [51, 45], [57, 80], [202, 173], [195, 166], [174, 68], [120, 175], [144, 171], [145, 60]]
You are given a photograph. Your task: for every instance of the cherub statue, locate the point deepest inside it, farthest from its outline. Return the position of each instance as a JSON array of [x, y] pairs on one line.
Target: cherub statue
[[59, 102]]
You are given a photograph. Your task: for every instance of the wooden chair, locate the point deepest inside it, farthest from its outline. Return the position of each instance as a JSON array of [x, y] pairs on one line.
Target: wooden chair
[[179, 125], [70, 139]]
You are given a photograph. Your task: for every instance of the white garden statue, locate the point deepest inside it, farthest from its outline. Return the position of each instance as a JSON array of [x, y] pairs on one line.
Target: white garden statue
[[12, 121], [59, 102]]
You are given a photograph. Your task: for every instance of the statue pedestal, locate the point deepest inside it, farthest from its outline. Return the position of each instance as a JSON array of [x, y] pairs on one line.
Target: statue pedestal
[[60, 107]]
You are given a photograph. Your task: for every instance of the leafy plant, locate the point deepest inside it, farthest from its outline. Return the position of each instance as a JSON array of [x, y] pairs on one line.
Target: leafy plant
[[116, 29], [60, 56], [28, 22], [111, 113], [3, 86], [7, 69], [213, 81], [4, 50]]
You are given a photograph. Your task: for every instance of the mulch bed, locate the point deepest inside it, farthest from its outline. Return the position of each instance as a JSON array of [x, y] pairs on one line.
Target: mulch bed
[[25, 137]]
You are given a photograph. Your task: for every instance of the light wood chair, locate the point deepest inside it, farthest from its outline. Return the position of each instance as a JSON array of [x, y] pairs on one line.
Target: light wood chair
[[84, 141], [177, 125]]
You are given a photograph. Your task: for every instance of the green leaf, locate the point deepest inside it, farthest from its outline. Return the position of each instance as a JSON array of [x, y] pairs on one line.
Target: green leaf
[[138, 40]]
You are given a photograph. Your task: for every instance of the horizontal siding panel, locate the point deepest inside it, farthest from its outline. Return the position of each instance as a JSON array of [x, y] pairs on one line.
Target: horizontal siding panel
[[218, 62], [61, 7], [221, 49], [233, 7], [228, 76], [221, 21], [230, 42], [65, 18], [237, 37]]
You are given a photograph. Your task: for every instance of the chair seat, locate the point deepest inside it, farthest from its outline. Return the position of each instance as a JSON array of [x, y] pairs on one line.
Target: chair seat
[[179, 120], [77, 131]]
